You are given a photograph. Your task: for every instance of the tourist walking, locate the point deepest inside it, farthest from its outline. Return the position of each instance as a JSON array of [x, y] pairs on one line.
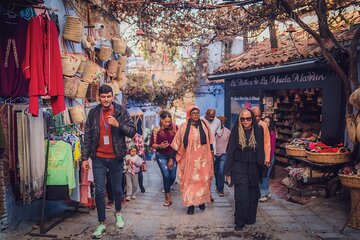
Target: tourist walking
[[161, 139], [245, 158], [104, 141], [264, 185], [193, 144], [221, 139], [132, 163], [214, 124]]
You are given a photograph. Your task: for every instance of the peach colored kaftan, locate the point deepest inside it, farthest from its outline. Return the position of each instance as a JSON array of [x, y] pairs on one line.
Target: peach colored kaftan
[[195, 164]]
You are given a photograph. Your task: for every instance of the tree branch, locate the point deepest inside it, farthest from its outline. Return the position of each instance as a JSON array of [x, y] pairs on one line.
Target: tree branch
[[321, 12], [353, 59]]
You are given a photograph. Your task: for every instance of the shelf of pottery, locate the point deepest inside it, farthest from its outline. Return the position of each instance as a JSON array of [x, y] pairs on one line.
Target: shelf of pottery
[[297, 114]]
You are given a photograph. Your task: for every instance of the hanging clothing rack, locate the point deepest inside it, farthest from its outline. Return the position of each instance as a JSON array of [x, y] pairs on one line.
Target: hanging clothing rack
[[44, 229]]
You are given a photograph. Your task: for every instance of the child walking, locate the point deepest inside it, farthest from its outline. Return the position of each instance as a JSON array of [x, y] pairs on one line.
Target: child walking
[[132, 165]]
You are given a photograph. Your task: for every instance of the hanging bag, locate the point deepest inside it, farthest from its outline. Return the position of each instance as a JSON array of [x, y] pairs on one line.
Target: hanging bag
[[354, 98], [119, 45], [92, 92], [123, 61], [77, 113], [105, 53], [82, 90], [70, 62], [90, 71], [112, 67], [73, 29], [351, 127], [71, 85]]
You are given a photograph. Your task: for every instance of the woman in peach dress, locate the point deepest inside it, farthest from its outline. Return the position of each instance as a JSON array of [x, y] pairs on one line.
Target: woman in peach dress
[[193, 144]]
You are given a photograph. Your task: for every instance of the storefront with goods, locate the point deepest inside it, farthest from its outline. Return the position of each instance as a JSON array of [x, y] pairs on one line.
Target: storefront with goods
[[305, 98]]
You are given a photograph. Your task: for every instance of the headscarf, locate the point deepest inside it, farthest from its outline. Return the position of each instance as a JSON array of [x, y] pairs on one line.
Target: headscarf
[[197, 124], [234, 142]]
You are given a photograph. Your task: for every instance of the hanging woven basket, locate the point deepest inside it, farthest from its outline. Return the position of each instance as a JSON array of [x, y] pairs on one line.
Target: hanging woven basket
[[119, 45], [82, 89], [71, 85], [90, 71], [77, 113], [112, 67], [83, 59], [73, 29], [92, 92], [115, 86], [105, 53], [123, 61], [70, 64]]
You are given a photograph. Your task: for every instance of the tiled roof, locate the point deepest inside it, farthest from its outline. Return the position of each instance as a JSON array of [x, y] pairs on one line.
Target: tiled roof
[[297, 46]]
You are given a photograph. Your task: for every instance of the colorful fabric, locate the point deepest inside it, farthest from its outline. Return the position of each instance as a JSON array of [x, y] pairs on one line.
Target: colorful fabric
[[267, 141], [138, 141], [60, 164], [12, 45], [195, 164]]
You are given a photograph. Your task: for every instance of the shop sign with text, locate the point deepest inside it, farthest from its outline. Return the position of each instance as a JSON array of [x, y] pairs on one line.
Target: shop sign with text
[[277, 79]]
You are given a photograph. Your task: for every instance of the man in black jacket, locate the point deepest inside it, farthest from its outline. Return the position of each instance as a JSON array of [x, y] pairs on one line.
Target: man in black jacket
[[104, 142]]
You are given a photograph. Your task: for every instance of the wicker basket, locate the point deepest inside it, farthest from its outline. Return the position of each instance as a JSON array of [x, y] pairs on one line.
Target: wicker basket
[[122, 62], [83, 59], [353, 182], [70, 64], [105, 53], [77, 113], [82, 90], [328, 158], [115, 87], [112, 67], [295, 152], [350, 181], [119, 45], [73, 29], [90, 71], [71, 86]]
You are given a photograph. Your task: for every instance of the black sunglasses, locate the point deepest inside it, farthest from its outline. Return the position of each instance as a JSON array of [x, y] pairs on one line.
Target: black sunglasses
[[243, 119]]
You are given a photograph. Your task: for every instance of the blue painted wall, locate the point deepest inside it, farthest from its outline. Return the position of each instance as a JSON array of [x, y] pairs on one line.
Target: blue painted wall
[[211, 96]]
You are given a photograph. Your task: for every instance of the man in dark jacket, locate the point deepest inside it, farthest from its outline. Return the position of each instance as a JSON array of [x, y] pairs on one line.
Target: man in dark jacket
[[104, 142]]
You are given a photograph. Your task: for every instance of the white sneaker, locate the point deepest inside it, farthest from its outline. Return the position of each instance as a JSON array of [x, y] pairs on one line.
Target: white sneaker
[[133, 197], [128, 198], [269, 195], [263, 199]]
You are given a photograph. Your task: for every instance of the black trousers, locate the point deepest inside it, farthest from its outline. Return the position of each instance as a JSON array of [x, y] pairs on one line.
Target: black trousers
[[246, 195]]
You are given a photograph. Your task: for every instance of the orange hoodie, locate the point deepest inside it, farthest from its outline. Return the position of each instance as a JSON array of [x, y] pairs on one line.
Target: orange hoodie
[[267, 143]]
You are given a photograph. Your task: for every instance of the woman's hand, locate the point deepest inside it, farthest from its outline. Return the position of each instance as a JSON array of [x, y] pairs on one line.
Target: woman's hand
[[267, 164], [170, 164], [164, 144], [228, 179]]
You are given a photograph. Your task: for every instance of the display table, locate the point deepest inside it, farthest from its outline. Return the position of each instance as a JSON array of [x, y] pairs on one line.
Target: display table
[[328, 179]]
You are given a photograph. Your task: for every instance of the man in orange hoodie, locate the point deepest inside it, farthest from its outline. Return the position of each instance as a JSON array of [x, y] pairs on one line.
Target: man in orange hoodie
[[267, 145]]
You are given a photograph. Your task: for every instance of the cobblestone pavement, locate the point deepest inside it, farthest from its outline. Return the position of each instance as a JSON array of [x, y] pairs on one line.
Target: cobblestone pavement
[[147, 218]]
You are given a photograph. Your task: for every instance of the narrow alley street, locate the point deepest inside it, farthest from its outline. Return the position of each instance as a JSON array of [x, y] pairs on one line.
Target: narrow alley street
[[147, 218]]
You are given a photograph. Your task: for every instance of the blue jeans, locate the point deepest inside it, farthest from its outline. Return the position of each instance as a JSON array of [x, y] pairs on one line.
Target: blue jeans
[[264, 186], [168, 175], [100, 168], [219, 164]]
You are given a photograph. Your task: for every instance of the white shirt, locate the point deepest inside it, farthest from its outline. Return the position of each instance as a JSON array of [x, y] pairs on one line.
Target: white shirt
[[214, 126]]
